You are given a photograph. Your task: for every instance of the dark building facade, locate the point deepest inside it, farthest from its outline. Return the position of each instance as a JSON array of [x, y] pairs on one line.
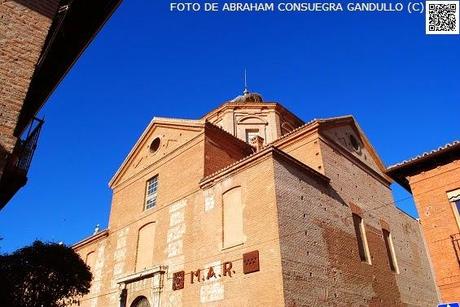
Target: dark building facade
[[39, 42]]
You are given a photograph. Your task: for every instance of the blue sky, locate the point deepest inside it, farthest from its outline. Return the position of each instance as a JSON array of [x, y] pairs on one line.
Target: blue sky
[[401, 85]]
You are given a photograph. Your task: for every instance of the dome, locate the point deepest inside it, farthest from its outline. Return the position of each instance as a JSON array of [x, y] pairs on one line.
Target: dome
[[248, 97]]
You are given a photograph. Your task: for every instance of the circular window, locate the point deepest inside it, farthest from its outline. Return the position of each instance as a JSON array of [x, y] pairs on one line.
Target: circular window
[[354, 142], [155, 145]]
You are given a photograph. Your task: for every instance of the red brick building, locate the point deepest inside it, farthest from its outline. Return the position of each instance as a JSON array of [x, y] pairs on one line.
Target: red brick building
[[39, 42], [250, 206], [433, 178]]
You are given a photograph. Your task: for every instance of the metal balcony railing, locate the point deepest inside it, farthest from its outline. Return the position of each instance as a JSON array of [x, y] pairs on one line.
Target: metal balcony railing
[[14, 175], [456, 243], [28, 145]]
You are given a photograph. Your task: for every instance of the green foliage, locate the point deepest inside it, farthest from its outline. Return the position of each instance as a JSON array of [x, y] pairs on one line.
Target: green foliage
[[42, 275]]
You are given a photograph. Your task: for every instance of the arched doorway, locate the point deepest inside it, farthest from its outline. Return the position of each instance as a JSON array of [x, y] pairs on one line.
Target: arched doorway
[[140, 301]]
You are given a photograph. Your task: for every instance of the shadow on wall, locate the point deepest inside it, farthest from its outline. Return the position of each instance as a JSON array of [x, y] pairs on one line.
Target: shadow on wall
[[43, 7], [378, 280], [3, 159], [334, 273], [12, 178]]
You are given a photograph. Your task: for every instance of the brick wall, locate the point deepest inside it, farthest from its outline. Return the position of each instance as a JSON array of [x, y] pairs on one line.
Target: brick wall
[[188, 237], [438, 221], [24, 26], [319, 251], [302, 228], [221, 150], [357, 185], [179, 173], [307, 150]]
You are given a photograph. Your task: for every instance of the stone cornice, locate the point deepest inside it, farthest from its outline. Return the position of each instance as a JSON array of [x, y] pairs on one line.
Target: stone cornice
[[250, 105], [141, 275], [100, 235]]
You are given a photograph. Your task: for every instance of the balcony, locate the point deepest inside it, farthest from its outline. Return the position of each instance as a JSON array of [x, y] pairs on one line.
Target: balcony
[[18, 162], [456, 243]]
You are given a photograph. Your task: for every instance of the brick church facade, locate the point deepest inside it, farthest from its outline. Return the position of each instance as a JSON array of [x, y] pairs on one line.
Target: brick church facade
[[250, 206]]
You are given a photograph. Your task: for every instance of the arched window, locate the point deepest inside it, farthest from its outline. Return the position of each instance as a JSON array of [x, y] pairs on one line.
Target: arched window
[[145, 246], [90, 259], [140, 301], [250, 126], [232, 218]]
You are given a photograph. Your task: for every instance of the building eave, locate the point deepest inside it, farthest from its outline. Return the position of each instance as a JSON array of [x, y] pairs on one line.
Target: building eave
[[95, 237], [321, 124], [256, 157], [288, 137], [156, 121], [426, 161], [309, 126], [350, 119], [436, 155], [67, 39], [242, 144]]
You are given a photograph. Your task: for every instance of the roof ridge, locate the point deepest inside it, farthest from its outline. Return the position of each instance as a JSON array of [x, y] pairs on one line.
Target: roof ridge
[[265, 150], [425, 154], [294, 131], [228, 133], [309, 123], [235, 163], [181, 120]]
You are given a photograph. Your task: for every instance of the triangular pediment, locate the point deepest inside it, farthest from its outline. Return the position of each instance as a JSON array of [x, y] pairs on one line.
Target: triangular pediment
[[161, 137], [346, 132]]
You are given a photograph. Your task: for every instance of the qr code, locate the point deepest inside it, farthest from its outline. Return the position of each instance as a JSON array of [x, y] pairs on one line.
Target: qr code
[[442, 17]]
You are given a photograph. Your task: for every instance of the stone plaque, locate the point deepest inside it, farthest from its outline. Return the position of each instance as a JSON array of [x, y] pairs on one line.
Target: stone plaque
[[178, 280], [251, 262]]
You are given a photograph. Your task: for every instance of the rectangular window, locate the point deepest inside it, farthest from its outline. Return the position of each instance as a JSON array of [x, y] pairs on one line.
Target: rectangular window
[[250, 133], [456, 208], [390, 250], [232, 218], [457, 205], [360, 231], [151, 193], [454, 199]]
